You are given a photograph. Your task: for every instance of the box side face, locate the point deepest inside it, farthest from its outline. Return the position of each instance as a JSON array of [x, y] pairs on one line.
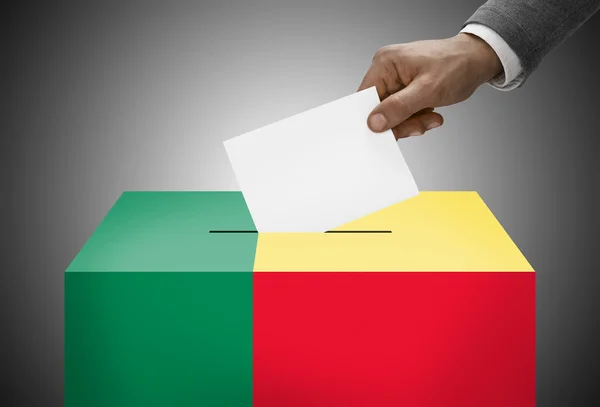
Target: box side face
[[158, 339], [435, 231], [170, 231], [394, 339]]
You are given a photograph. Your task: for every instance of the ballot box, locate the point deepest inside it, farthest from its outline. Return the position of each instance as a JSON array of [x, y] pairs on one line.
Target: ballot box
[[176, 300]]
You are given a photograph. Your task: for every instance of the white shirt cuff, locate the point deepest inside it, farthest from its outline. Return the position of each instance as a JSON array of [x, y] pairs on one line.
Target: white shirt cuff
[[513, 74]]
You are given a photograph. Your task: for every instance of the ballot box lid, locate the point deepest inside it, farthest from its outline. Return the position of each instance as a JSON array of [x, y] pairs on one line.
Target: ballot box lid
[[171, 231], [434, 231]]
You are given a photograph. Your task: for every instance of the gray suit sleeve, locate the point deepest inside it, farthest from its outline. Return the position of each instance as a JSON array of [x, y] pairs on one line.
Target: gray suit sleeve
[[532, 28]]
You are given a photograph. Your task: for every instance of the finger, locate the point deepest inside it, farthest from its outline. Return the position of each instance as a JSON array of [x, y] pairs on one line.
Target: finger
[[367, 81], [398, 107], [426, 110], [373, 78], [418, 124]]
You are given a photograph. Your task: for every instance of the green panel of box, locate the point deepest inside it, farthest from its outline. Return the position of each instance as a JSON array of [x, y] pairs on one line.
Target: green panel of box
[[158, 304]]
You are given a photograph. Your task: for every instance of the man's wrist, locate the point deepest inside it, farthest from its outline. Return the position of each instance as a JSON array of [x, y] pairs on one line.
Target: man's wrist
[[512, 75], [485, 61]]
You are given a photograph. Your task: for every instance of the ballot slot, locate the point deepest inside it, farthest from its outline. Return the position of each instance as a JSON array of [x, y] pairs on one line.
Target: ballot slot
[[329, 231], [359, 231], [232, 231]]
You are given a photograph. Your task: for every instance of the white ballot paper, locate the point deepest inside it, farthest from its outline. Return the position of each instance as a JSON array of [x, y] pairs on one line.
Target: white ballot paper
[[320, 169]]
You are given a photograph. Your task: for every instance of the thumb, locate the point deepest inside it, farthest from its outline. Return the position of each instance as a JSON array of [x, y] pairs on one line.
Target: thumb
[[398, 107]]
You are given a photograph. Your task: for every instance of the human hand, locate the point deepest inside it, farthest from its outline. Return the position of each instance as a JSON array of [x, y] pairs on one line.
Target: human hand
[[414, 78]]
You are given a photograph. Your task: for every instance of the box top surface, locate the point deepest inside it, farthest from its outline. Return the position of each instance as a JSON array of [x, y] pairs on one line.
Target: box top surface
[[170, 231], [435, 231]]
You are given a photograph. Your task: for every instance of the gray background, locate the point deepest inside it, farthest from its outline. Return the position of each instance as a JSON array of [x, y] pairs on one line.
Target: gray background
[[101, 98]]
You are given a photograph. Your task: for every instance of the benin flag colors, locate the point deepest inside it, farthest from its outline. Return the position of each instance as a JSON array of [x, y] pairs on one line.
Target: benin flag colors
[[175, 300]]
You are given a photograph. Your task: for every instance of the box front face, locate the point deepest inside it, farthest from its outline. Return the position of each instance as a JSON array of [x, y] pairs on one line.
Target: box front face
[[394, 339], [158, 339]]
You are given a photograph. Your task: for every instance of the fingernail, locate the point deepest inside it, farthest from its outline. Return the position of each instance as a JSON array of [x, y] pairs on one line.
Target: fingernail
[[432, 125], [415, 133], [377, 122]]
